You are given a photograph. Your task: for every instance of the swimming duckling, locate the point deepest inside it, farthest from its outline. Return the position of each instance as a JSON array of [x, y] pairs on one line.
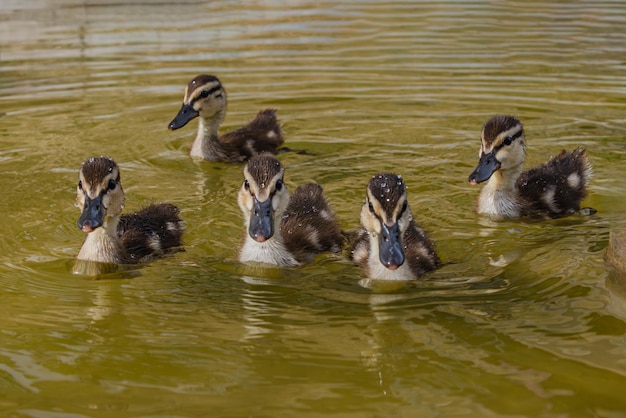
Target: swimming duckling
[[616, 251], [115, 238], [281, 229], [205, 97], [553, 189], [390, 246]]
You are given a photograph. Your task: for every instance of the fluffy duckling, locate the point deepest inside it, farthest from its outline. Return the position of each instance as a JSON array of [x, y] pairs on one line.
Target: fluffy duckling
[[113, 237], [616, 251], [390, 246], [281, 229], [206, 98], [553, 189]]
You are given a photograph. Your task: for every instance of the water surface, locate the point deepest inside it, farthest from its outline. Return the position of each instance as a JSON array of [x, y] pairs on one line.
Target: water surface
[[524, 319]]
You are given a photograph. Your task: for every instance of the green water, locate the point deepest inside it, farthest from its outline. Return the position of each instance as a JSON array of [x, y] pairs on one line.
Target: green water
[[523, 320]]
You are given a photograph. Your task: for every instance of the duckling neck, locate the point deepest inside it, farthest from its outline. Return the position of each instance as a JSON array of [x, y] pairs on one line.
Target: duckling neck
[[499, 196], [206, 145], [103, 244]]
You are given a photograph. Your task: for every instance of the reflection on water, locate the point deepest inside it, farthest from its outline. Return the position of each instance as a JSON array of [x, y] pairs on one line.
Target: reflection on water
[[524, 318]]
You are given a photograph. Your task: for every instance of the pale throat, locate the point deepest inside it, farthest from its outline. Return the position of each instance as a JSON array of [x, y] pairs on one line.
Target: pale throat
[[207, 128], [505, 178], [206, 143], [102, 244]]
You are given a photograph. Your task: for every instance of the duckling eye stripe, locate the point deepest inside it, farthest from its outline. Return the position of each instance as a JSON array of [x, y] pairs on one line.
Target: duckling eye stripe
[[513, 138], [517, 135], [208, 93]]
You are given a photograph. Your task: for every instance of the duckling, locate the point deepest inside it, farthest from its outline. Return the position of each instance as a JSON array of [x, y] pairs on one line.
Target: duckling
[[283, 230], [205, 97], [616, 251], [115, 238], [553, 189], [390, 245]]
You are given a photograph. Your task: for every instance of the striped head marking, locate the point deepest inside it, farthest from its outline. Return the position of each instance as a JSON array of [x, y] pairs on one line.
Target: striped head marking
[[499, 131], [386, 215], [263, 196], [202, 87], [502, 147], [99, 194], [204, 96]]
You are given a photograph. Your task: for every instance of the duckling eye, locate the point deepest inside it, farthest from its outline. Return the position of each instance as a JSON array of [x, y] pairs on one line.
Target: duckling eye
[[204, 94], [507, 140], [370, 206], [112, 184], [279, 185], [80, 184], [246, 185]]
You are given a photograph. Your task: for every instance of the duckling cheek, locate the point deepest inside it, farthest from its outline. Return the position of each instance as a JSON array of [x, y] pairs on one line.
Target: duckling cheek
[[487, 165], [261, 226], [276, 201], [80, 200], [369, 222], [391, 253]]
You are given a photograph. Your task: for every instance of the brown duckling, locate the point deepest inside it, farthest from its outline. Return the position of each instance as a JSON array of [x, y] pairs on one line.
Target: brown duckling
[[206, 98], [616, 251], [113, 237], [553, 189], [390, 245], [281, 229]]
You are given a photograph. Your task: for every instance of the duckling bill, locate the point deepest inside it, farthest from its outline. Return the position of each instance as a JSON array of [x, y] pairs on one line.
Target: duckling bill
[[115, 238], [206, 99], [553, 189], [281, 229], [390, 245]]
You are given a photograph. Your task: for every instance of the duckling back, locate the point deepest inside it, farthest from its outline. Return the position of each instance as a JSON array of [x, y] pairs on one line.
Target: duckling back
[[150, 232], [262, 134], [309, 225], [557, 187]]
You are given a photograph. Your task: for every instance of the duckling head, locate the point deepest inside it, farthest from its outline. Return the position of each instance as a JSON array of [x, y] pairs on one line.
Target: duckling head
[[204, 97], [99, 194], [502, 147], [386, 215], [263, 196]]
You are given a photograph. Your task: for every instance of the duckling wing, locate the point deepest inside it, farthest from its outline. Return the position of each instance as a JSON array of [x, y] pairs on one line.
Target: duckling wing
[[150, 231], [263, 134], [308, 225], [419, 251], [557, 187]]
